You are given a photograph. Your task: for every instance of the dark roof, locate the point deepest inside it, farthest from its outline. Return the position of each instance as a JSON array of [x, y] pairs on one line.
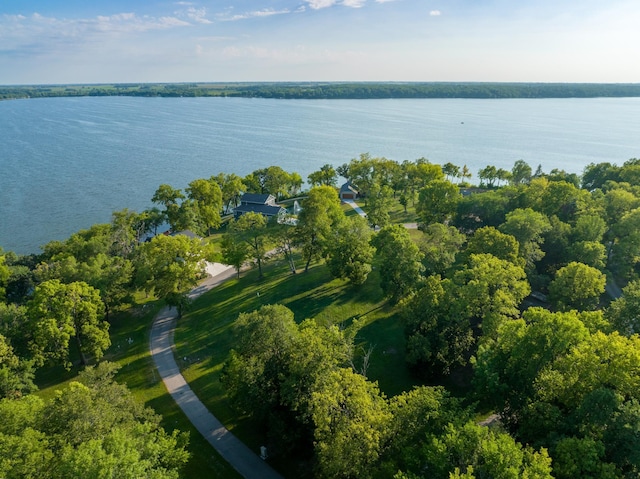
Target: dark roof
[[348, 188], [266, 210], [255, 199]]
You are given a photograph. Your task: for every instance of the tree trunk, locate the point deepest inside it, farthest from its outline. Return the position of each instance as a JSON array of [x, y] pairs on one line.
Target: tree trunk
[[82, 356]]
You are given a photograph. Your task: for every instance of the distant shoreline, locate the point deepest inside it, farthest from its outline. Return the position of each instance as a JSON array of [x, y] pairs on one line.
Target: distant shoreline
[[330, 90]]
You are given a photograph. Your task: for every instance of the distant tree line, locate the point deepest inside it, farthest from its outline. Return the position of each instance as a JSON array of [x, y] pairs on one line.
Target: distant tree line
[[316, 90]]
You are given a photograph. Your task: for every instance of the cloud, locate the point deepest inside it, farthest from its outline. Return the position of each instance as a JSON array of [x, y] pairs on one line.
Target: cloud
[[318, 4], [435, 13], [353, 3], [266, 12], [38, 35], [197, 15]]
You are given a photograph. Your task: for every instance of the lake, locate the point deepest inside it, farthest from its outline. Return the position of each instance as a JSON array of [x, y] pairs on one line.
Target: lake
[[67, 163]]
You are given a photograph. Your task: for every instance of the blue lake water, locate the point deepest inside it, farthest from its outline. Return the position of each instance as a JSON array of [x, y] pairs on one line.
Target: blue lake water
[[67, 163]]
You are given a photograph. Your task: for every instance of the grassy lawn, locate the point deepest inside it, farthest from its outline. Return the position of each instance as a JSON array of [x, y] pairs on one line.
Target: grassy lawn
[[130, 349], [396, 214], [204, 337]]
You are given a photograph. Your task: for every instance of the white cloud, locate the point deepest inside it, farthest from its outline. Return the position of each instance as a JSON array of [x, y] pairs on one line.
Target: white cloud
[[318, 4], [435, 13], [354, 3], [267, 12], [197, 15], [39, 35]]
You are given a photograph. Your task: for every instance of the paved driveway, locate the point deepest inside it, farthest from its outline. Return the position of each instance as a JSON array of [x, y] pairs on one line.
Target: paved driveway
[[235, 452]]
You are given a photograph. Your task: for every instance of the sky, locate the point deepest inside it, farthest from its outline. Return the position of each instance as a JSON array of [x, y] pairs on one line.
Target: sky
[[118, 41]]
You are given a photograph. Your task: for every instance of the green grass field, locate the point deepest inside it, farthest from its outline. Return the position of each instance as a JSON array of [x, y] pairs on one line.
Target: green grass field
[[204, 336]]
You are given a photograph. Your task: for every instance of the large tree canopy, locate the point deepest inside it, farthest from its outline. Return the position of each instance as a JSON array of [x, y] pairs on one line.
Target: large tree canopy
[[61, 312], [92, 429]]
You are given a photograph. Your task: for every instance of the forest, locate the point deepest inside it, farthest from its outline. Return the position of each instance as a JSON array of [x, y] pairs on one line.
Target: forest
[[330, 90], [457, 330]]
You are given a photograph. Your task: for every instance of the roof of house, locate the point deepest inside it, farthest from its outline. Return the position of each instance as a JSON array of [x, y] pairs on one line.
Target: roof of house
[[348, 188], [257, 199], [263, 209]]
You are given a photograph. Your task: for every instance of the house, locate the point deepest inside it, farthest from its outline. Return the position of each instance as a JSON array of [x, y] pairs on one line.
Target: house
[[263, 204], [348, 192]]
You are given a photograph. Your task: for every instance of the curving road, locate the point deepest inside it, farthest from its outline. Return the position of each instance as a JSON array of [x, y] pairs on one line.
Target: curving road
[[235, 452]]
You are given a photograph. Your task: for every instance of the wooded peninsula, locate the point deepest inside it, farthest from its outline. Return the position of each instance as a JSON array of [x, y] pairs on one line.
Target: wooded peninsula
[[447, 330], [330, 90]]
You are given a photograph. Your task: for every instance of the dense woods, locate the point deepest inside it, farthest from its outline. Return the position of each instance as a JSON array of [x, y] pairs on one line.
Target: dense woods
[[502, 286], [315, 90]]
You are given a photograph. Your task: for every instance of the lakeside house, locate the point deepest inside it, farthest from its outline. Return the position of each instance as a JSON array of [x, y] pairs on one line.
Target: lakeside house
[[348, 191], [257, 203]]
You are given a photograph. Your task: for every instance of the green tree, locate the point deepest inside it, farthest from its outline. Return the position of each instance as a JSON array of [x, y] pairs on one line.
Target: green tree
[[527, 226], [581, 457], [595, 176], [321, 211], [14, 325], [590, 253], [251, 228], [379, 201], [5, 273], [624, 312], [351, 418], [400, 261], [491, 290], [439, 247], [170, 198], [617, 202], [484, 209], [254, 372], [273, 180], [625, 253], [361, 173], [506, 370], [489, 240], [577, 286], [127, 230], [520, 173], [59, 312], [231, 187], [234, 252], [424, 173], [350, 253], [275, 367], [488, 176], [90, 430], [437, 202], [171, 266], [451, 171], [294, 185], [284, 236], [16, 374], [417, 415], [207, 199], [437, 328], [474, 451], [326, 175]]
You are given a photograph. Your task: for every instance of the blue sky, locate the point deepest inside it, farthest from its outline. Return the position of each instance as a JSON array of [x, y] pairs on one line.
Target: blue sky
[[93, 41]]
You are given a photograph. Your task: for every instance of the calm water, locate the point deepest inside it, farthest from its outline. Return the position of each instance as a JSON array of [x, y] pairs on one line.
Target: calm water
[[66, 163]]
